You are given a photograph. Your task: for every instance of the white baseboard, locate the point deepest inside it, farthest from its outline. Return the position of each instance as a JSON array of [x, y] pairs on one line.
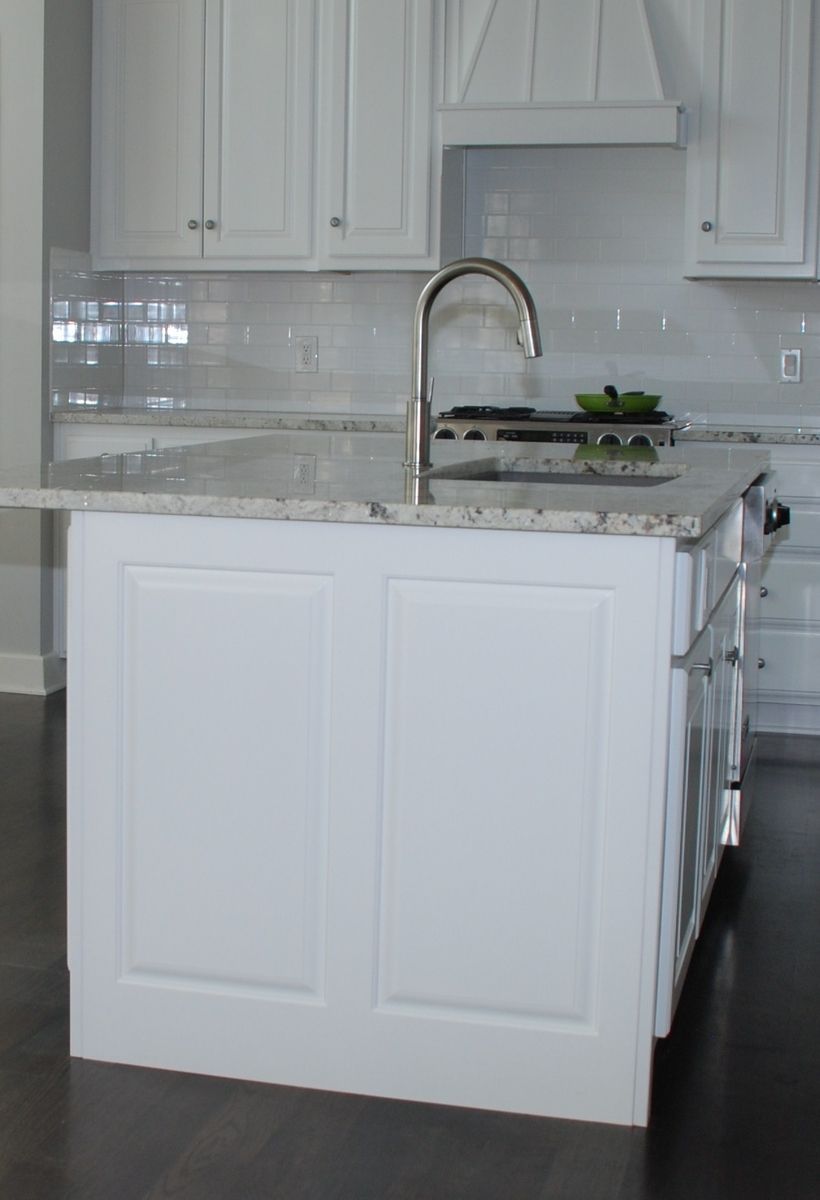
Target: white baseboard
[[32, 674]]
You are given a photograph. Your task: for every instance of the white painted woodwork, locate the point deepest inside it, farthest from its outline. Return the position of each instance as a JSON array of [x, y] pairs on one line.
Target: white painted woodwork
[[148, 64], [260, 121], [544, 50], [753, 168], [543, 71], [702, 743], [370, 809], [790, 612], [721, 769], [259, 129], [379, 179]]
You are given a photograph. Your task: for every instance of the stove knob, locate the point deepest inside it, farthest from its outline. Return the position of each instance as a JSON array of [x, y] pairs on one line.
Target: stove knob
[[640, 439], [609, 439]]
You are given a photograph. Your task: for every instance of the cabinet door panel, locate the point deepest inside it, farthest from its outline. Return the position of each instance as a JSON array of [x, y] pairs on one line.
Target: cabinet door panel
[[753, 155], [259, 128], [149, 127], [377, 155]]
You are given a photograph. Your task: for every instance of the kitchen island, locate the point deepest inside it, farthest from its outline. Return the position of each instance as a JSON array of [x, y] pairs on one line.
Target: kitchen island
[[367, 784]]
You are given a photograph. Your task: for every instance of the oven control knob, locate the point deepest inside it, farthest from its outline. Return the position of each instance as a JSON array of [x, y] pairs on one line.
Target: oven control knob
[[609, 439], [640, 439], [777, 515]]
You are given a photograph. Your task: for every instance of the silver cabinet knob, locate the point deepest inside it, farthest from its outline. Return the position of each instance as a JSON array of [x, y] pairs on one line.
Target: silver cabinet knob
[[764, 591], [335, 222], [707, 226], [210, 224], [761, 663], [193, 223]]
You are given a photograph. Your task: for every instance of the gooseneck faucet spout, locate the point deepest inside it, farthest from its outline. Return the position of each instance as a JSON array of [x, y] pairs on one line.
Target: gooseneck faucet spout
[[417, 447]]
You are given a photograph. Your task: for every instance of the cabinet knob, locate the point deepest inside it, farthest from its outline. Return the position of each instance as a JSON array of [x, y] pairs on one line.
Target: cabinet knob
[[707, 226], [193, 223], [210, 224], [732, 656], [761, 663], [335, 222], [764, 591]]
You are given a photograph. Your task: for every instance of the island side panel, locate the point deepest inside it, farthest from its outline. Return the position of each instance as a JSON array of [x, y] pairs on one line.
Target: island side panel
[[369, 808]]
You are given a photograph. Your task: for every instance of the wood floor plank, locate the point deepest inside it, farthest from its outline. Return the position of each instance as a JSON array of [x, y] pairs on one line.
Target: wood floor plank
[[736, 1102]]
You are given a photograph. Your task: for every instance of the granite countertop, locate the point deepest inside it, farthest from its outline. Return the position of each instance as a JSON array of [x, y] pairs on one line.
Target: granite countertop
[[255, 478], [201, 418], [749, 434], [744, 430]]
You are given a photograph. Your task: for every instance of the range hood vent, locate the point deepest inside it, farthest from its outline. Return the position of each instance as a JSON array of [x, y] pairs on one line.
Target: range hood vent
[[554, 72]]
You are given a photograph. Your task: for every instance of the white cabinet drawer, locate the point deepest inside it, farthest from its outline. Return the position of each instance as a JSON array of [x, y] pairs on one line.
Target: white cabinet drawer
[[803, 531], [793, 590], [797, 480], [75, 441], [702, 574], [792, 658]]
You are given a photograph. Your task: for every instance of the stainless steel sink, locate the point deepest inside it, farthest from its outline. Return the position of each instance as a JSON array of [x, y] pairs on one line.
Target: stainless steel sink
[[561, 475]]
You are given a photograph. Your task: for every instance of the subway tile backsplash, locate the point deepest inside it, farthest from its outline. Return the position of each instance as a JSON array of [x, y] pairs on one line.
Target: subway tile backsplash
[[596, 232]]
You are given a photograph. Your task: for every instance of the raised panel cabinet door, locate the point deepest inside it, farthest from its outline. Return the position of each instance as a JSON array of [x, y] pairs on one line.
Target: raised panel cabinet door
[[259, 110], [376, 134], [148, 135], [752, 207]]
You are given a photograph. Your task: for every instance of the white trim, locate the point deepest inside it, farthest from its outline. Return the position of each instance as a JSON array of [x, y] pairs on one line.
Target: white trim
[[32, 674]]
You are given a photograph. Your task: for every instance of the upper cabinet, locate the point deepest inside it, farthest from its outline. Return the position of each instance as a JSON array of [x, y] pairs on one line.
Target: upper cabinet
[[752, 197], [275, 134], [379, 169], [536, 72]]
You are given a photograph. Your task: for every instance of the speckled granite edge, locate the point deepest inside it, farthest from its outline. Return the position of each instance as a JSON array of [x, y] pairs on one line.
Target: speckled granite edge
[[218, 419], [452, 516], [765, 435]]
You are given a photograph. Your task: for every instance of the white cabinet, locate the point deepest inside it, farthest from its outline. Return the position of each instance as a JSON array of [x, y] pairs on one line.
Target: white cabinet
[[378, 169], [84, 440], [752, 188], [267, 133], [703, 722], [295, 858], [790, 610], [203, 129]]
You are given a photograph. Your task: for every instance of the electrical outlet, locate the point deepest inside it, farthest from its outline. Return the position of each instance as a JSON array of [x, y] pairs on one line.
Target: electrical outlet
[[306, 351], [304, 474], [791, 366]]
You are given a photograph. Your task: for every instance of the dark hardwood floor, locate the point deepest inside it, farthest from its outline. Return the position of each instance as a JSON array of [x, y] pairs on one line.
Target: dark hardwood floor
[[736, 1110]]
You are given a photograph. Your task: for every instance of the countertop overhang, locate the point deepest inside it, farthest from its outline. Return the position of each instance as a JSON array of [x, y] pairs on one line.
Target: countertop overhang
[[364, 483]]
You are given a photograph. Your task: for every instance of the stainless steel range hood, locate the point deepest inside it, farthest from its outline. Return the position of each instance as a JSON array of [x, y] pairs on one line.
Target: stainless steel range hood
[[554, 72]]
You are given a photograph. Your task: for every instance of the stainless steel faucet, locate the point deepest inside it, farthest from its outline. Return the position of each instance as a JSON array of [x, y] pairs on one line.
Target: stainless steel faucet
[[417, 446]]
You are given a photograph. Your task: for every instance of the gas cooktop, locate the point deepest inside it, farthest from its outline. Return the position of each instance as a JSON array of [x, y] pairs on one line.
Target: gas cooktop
[[489, 412], [492, 423]]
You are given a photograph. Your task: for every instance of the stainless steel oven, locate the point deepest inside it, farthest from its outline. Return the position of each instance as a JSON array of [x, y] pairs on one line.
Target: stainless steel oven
[[488, 423]]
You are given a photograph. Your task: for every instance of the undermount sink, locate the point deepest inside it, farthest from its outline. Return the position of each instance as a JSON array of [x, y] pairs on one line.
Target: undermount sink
[[560, 474]]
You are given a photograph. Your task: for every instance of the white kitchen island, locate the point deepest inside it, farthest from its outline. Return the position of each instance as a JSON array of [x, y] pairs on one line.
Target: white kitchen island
[[370, 795]]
